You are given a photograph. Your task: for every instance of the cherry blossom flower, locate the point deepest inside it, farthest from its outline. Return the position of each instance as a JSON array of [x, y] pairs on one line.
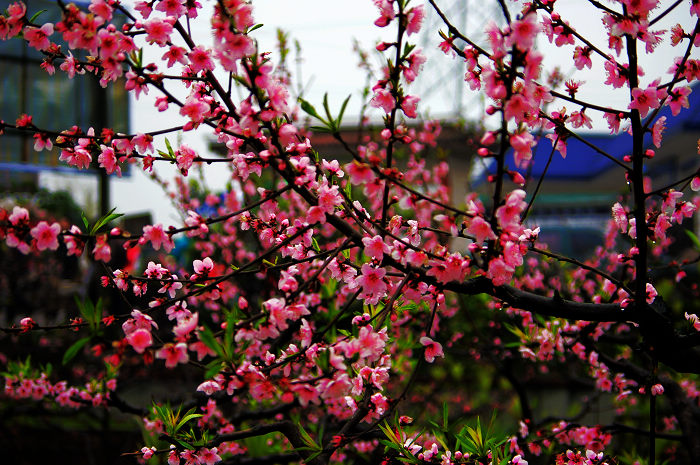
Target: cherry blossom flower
[[39, 37], [195, 109], [375, 247], [644, 100], [108, 160], [102, 250], [140, 339], [200, 59], [372, 282], [383, 99], [208, 456], [523, 31], [157, 237], [173, 354], [46, 236], [414, 19], [657, 131], [678, 98], [185, 158], [209, 387], [433, 349], [409, 105], [386, 11], [158, 31]]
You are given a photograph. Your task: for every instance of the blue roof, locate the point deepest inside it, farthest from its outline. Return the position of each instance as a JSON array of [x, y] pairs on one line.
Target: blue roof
[[583, 162]]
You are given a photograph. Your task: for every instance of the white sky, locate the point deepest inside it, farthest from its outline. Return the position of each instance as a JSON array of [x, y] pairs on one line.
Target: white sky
[[325, 29]]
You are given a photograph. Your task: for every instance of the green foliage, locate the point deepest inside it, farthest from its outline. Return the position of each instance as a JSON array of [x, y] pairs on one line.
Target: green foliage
[[101, 222], [330, 125]]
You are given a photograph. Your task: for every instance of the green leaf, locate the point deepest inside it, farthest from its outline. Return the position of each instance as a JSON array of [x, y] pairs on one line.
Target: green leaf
[[253, 28], [390, 444], [327, 108], [307, 438], [213, 368], [342, 111], [85, 221], [312, 456], [105, 219], [322, 129], [308, 108], [315, 245], [207, 337], [36, 15], [445, 415], [74, 349], [187, 418], [694, 238], [184, 444], [171, 153]]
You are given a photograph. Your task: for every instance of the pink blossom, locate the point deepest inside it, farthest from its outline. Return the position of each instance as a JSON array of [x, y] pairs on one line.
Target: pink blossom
[[208, 456], [200, 59], [328, 197], [375, 247], [46, 236], [522, 144], [147, 452], [158, 31], [414, 18], [195, 109], [695, 184], [640, 7], [433, 349], [140, 339], [369, 343], [102, 251], [203, 267], [480, 229], [499, 272], [186, 325], [644, 100], [78, 157], [39, 37], [41, 142], [452, 268], [185, 157], [74, 244], [173, 354], [373, 285], [657, 390], [26, 324], [678, 98], [383, 99], [102, 9], [582, 57], [693, 319], [651, 293], [409, 105], [108, 160], [657, 131], [615, 76], [209, 387], [172, 8], [523, 31], [157, 237], [386, 11], [174, 55]]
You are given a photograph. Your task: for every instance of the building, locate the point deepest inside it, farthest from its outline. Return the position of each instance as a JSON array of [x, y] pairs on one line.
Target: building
[[54, 102]]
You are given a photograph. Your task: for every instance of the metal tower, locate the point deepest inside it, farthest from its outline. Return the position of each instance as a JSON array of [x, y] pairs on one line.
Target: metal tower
[[441, 83]]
